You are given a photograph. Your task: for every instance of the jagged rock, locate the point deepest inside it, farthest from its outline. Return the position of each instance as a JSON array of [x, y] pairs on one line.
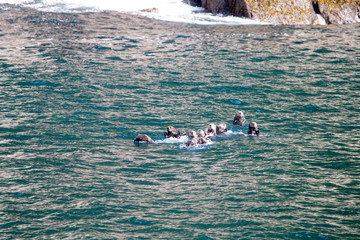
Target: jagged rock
[[195, 3], [282, 11], [337, 11], [286, 11]]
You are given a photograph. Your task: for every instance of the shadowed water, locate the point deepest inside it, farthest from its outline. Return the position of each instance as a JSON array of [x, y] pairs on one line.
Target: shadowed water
[[77, 88]]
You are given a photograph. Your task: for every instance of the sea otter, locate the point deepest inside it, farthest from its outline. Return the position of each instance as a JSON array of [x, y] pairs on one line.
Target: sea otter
[[202, 139], [211, 130], [172, 132], [239, 118], [253, 129], [221, 129], [193, 140], [143, 138]]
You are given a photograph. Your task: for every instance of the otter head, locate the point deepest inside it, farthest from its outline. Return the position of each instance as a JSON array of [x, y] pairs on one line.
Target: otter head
[[200, 133], [239, 114], [183, 132], [192, 134], [253, 125], [211, 130], [204, 140], [170, 129], [221, 128], [253, 129], [143, 138], [192, 142], [172, 132], [239, 118]]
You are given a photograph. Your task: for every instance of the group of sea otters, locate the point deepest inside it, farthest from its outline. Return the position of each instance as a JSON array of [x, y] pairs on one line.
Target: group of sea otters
[[201, 137]]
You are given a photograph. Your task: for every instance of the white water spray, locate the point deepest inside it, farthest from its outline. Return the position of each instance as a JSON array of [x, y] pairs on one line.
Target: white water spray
[[166, 10]]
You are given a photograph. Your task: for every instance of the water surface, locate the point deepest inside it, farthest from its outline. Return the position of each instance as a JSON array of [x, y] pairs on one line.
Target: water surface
[[77, 88]]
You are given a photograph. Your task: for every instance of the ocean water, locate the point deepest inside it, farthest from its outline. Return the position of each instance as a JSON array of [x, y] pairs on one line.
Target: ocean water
[[77, 87]]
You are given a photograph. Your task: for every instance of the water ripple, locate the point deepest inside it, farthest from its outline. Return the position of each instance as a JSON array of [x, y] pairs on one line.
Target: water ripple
[[77, 88]]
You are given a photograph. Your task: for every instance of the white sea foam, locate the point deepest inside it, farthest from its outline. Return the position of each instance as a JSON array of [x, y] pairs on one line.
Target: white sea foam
[[166, 10], [196, 146], [184, 139], [172, 140]]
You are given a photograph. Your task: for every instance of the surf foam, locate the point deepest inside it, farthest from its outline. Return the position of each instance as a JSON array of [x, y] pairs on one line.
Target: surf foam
[[166, 10]]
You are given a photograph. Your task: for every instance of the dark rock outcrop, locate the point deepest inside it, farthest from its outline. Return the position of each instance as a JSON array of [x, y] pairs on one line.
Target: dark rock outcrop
[[286, 11], [195, 3]]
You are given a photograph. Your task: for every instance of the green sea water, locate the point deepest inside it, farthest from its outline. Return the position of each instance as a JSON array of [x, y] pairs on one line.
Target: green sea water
[[75, 89]]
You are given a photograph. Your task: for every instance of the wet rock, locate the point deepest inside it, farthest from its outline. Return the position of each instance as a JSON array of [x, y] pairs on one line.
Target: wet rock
[[337, 12], [287, 12], [194, 3]]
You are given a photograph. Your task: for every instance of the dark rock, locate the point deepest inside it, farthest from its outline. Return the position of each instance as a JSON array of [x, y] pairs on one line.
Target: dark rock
[[195, 3], [285, 11]]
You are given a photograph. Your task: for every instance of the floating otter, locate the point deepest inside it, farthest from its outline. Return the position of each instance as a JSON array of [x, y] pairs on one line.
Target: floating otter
[[221, 129], [172, 132], [239, 118], [198, 137], [211, 130], [202, 139], [143, 138], [193, 140], [253, 129], [200, 133]]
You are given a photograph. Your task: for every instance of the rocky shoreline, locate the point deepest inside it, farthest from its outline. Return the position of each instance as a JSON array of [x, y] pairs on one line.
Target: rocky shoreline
[[296, 12]]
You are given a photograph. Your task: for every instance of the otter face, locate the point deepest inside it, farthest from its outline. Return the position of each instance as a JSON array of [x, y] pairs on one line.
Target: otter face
[[253, 129], [200, 133], [211, 129], [239, 118], [221, 128], [172, 132], [170, 129], [239, 114], [204, 140], [192, 142], [192, 134], [253, 125], [183, 132]]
